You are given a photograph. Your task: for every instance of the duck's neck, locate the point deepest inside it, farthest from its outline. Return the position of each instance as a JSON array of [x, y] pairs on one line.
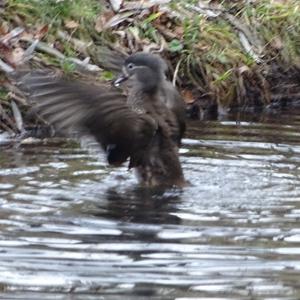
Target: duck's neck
[[148, 82], [143, 90]]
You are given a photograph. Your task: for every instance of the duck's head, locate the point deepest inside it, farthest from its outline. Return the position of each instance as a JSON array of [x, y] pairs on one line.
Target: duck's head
[[144, 69]]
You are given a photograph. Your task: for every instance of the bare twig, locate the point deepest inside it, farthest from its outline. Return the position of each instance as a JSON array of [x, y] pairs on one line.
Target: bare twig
[[18, 116], [176, 72], [27, 55], [248, 40], [82, 65], [205, 10], [5, 67], [12, 34], [249, 49], [49, 50], [141, 5], [79, 45]]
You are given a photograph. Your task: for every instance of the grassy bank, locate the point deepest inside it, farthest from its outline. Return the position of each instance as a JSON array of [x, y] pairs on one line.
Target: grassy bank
[[222, 54]]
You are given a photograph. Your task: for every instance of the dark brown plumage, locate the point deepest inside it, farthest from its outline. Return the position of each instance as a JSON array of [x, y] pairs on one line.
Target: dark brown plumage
[[146, 126]]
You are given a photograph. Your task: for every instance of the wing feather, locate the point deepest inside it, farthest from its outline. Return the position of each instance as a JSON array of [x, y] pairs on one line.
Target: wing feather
[[96, 110]]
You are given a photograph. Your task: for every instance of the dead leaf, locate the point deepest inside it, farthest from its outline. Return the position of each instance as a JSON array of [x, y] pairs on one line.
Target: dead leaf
[[202, 46], [27, 36], [179, 31], [16, 56], [116, 4], [188, 96], [12, 34], [71, 24], [41, 32], [4, 28], [4, 50], [243, 69], [117, 19], [12, 56], [277, 43], [102, 20]]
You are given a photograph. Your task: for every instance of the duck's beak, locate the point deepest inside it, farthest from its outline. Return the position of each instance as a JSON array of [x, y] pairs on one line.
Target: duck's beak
[[121, 78]]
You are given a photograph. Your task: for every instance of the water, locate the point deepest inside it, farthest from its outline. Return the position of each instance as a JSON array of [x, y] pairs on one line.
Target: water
[[72, 228]]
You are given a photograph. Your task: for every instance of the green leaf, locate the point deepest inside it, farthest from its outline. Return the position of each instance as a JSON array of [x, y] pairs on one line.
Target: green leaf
[[68, 66], [107, 75], [224, 76], [153, 17], [175, 46]]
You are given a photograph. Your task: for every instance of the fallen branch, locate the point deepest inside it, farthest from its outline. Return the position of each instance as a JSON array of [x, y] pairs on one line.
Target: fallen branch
[[81, 65], [28, 53], [249, 49], [78, 44], [205, 10], [5, 67], [141, 5], [247, 39]]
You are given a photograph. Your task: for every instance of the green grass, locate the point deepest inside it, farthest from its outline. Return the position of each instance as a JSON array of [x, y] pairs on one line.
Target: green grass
[[56, 12], [209, 50]]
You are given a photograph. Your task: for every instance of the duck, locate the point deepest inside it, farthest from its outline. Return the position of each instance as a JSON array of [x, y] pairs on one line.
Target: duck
[[142, 123]]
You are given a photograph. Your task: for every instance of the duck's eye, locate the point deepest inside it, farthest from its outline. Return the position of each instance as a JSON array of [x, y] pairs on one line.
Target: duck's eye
[[130, 66]]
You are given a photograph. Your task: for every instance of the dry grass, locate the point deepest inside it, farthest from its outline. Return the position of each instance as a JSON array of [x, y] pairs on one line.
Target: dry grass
[[224, 53]]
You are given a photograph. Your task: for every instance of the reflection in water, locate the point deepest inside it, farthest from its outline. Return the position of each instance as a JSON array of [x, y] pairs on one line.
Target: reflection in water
[[71, 228], [142, 205]]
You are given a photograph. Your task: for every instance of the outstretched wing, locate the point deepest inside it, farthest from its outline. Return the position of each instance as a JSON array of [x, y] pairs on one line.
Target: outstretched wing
[[96, 110]]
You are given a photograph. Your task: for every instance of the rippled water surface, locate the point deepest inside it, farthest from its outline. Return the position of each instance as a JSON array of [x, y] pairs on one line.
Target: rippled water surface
[[71, 228]]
